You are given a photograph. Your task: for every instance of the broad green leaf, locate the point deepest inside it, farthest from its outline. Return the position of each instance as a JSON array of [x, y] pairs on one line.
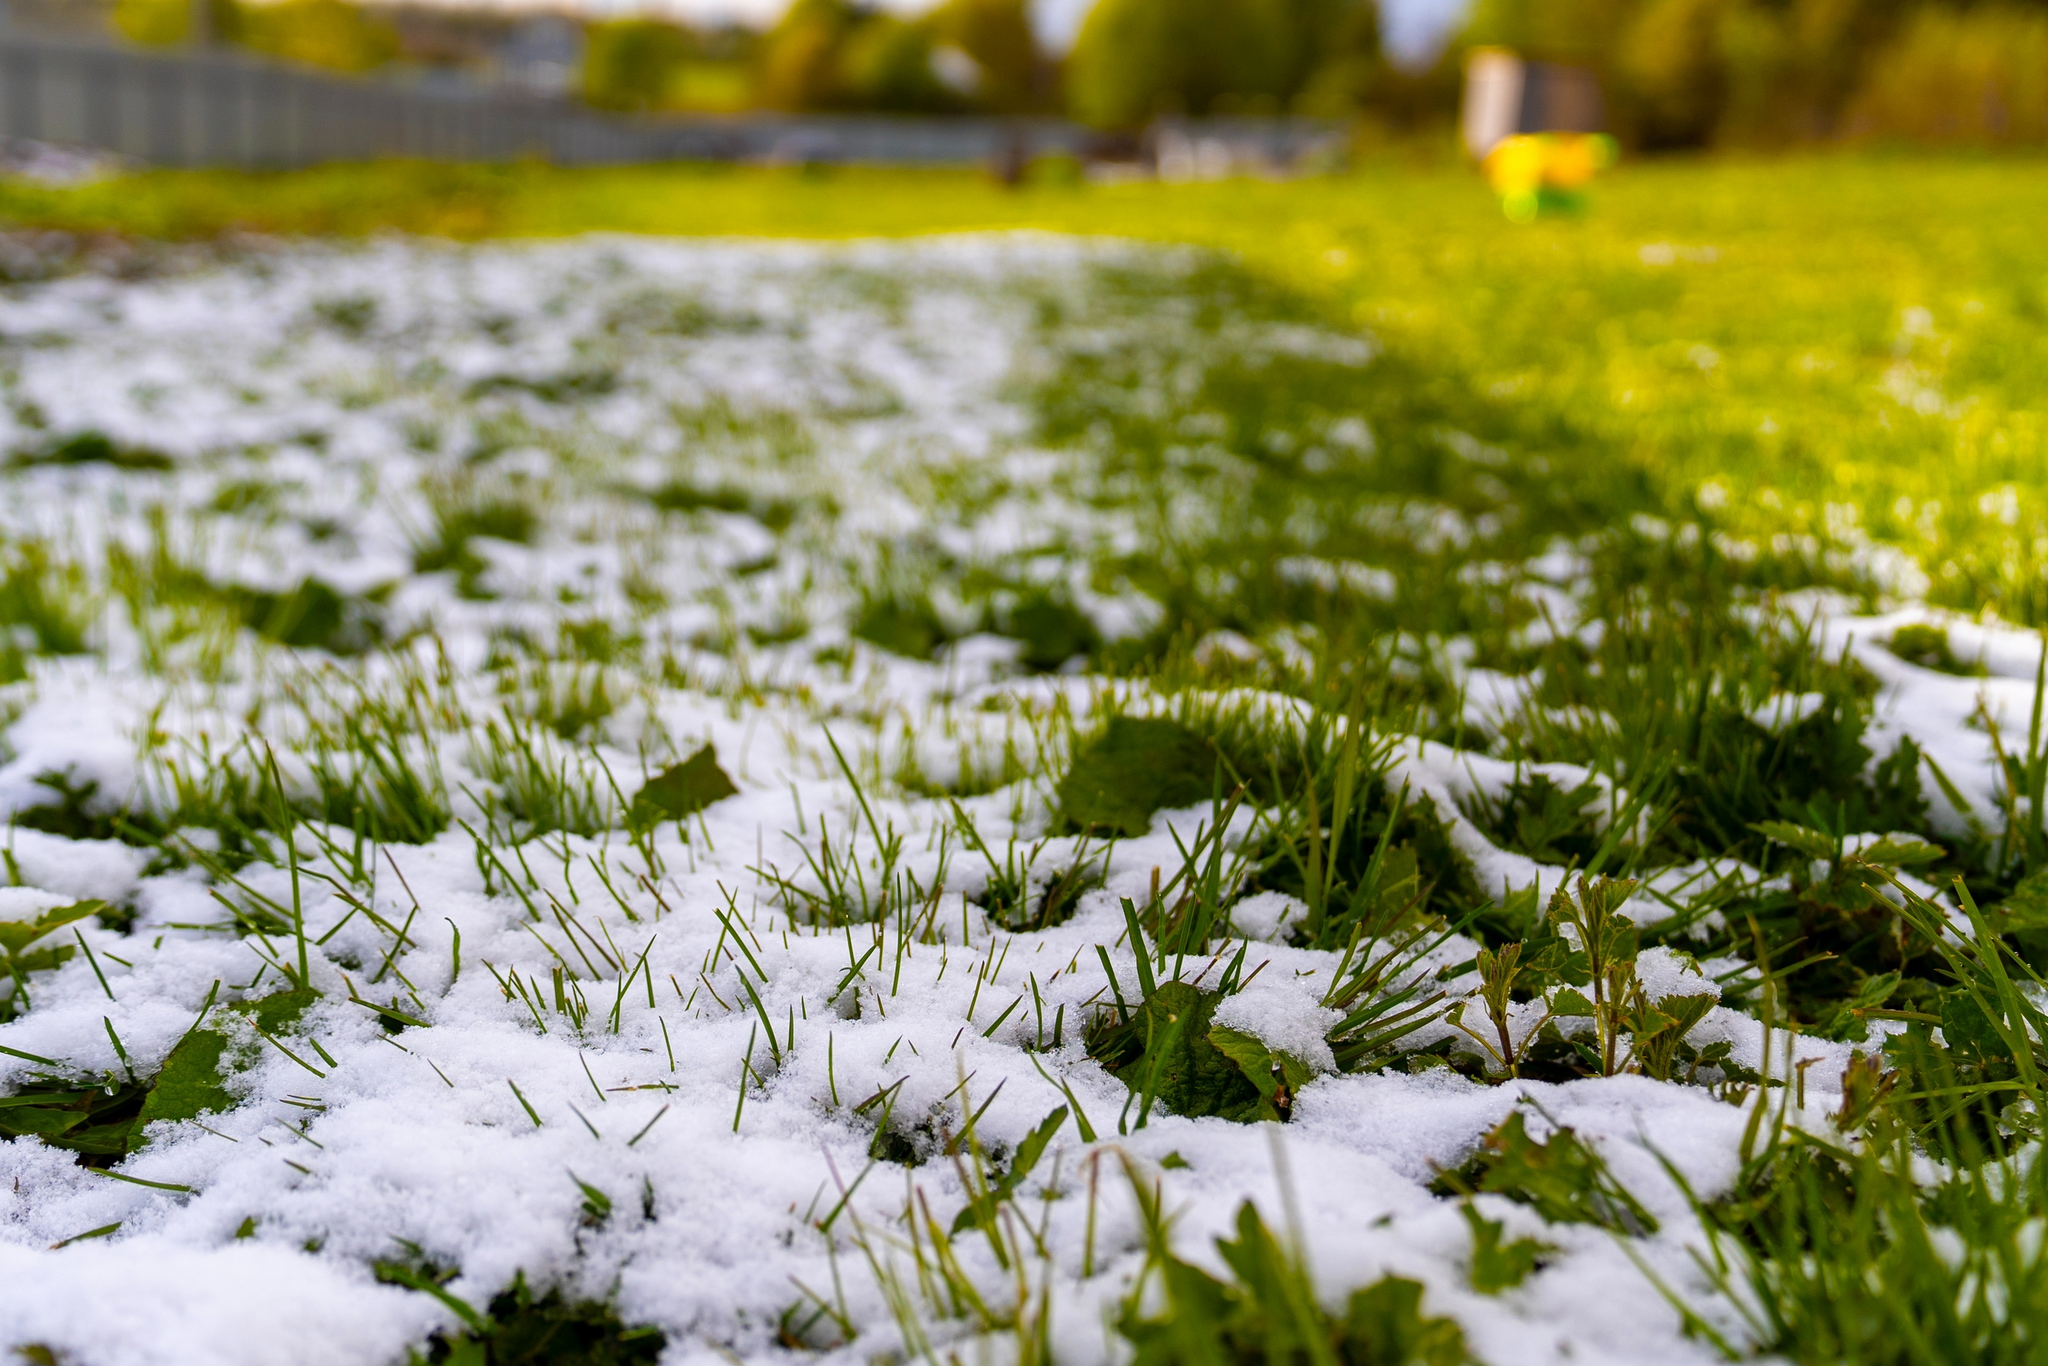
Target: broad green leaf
[[44, 1121], [279, 1011], [1570, 1001], [1136, 767], [97, 1121], [1400, 885], [1657, 1030], [1968, 1030], [1900, 853], [190, 1083], [16, 935], [1277, 1076], [1803, 839], [911, 629], [42, 1098], [1499, 1265], [2026, 908], [1165, 1047], [1385, 1322], [1875, 991], [681, 791], [1561, 1178], [1269, 1312], [102, 1140], [42, 960]]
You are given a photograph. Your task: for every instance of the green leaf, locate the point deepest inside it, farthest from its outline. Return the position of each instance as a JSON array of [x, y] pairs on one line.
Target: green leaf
[[1269, 1313], [16, 935], [41, 1098], [102, 1140], [981, 1210], [597, 1206], [1968, 1030], [1135, 767], [1051, 629], [1033, 1147], [1542, 959], [1399, 886], [1571, 1002], [42, 960], [279, 1011], [1385, 1322], [1497, 1265], [1561, 1179], [190, 1083], [1900, 853], [1804, 839], [43, 1121], [1165, 1046], [1278, 1077], [1657, 1029], [908, 628], [681, 791], [2026, 908], [99, 1120]]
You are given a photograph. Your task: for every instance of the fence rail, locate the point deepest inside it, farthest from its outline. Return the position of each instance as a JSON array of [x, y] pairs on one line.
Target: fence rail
[[223, 109]]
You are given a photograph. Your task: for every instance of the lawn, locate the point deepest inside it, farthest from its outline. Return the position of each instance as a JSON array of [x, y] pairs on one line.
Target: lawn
[[1813, 333], [1287, 770]]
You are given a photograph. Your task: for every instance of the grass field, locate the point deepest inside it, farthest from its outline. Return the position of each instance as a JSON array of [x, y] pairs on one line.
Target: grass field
[[1865, 332], [1260, 771]]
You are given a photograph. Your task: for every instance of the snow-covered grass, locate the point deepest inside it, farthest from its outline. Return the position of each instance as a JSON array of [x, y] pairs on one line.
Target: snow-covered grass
[[757, 802]]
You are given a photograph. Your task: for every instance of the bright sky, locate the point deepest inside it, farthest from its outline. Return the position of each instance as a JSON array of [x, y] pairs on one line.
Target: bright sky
[[1413, 28]]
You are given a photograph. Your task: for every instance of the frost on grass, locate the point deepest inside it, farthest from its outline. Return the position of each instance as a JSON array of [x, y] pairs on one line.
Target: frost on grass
[[618, 801]]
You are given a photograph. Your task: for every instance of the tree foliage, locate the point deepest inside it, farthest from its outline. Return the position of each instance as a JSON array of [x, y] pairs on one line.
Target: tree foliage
[[1137, 59], [333, 34], [965, 55], [1695, 73], [632, 63]]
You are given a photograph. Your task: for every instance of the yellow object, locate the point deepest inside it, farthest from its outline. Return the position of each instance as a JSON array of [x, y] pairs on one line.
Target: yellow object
[[1534, 171]]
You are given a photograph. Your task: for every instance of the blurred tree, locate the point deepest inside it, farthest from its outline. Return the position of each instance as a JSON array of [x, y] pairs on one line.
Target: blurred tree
[[834, 54], [799, 59], [1978, 75], [1582, 31], [168, 23], [1671, 60], [158, 23], [634, 64], [1793, 66], [329, 33], [1137, 59], [1690, 73], [1010, 75], [887, 65], [1348, 70]]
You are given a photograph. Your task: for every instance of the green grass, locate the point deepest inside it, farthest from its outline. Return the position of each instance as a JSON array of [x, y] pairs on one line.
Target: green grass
[[1727, 383], [1856, 332]]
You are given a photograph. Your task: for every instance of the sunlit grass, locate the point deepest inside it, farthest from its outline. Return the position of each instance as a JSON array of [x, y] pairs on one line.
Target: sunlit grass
[[1321, 507]]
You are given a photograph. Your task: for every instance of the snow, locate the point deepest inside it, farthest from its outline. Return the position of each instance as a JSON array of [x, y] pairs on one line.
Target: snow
[[719, 1115]]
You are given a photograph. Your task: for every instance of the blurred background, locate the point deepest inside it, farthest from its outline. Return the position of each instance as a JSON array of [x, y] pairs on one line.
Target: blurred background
[[170, 80]]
